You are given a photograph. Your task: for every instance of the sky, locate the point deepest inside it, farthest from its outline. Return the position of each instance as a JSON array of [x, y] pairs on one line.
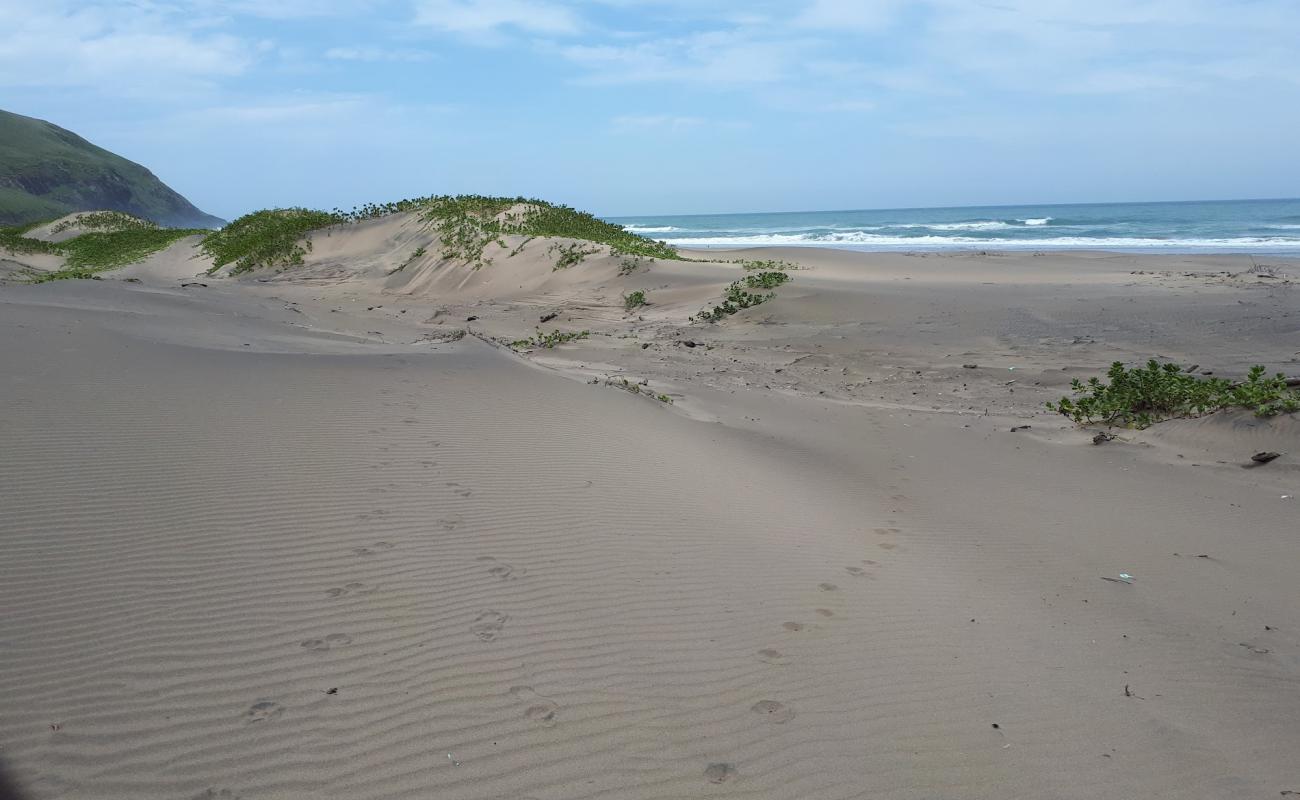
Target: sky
[[631, 107]]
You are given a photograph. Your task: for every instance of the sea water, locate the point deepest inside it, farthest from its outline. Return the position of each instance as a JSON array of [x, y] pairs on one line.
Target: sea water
[[1248, 226]]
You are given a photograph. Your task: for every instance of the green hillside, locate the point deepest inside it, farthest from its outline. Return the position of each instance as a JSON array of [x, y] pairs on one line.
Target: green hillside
[[46, 172]]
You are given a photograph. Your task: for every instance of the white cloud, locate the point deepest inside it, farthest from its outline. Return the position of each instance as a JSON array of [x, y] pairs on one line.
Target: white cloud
[[489, 16], [119, 51], [849, 15], [701, 60], [657, 121], [374, 54]]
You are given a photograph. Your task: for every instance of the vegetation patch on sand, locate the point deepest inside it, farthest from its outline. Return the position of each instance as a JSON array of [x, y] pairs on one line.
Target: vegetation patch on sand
[[116, 240], [13, 240], [465, 224], [549, 340], [776, 265], [104, 221], [635, 299], [1142, 396], [738, 297], [269, 238], [112, 249]]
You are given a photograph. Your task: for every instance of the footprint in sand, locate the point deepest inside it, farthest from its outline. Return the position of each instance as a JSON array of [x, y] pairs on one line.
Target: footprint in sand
[[857, 572], [487, 625], [828, 587], [887, 531], [887, 545], [377, 547], [824, 612], [719, 773], [216, 794], [332, 640], [770, 655], [501, 569], [543, 710], [772, 711], [460, 490], [262, 711], [793, 626], [349, 590]]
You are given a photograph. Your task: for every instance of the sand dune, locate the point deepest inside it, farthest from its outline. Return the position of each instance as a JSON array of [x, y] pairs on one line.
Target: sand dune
[[287, 536]]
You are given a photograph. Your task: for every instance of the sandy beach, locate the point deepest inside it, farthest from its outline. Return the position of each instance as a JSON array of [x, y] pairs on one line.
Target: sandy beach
[[322, 533]]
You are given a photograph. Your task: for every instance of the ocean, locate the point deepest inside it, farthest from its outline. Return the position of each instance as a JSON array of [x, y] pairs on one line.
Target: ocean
[[1247, 226]]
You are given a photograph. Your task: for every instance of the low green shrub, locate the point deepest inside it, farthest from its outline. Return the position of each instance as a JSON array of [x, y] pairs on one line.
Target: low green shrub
[[269, 238], [1142, 396], [738, 298], [634, 299], [568, 255], [552, 339], [117, 248], [766, 280]]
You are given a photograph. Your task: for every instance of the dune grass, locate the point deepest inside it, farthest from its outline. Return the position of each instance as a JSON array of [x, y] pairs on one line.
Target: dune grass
[[112, 249], [738, 297], [550, 340], [635, 299], [467, 226], [121, 240], [13, 240], [268, 238]]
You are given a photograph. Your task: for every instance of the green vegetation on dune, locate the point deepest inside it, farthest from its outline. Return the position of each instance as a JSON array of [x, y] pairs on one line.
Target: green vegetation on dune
[[271, 238], [47, 171], [466, 226], [635, 299], [112, 249], [13, 241], [550, 340], [116, 241], [737, 296], [102, 221], [487, 219], [1142, 396]]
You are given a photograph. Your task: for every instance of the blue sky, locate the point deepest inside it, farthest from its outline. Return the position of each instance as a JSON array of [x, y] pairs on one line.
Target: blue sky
[[674, 106]]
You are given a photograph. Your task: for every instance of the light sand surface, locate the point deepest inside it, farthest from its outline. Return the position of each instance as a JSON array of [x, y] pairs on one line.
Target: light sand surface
[[293, 536]]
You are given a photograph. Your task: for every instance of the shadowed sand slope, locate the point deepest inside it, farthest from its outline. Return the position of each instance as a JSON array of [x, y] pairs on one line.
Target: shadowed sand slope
[[247, 554]]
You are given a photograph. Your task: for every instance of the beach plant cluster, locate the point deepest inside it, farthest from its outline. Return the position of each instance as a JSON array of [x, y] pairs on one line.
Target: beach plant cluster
[[766, 280], [12, 239], [637, 388], [738, 297], [268, 238], [100, 251], [774, 265], [1141, 396], [120, 240], [416, 253], [635, 299], [469, 223], [629, 262], [103, 221], [550, 340], [466, 225], [568, 255]]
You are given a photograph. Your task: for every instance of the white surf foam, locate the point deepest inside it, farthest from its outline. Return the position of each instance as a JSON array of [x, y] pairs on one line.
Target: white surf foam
[[858, 239]]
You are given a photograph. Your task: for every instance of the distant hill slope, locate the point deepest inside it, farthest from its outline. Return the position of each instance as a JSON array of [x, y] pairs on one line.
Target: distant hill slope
[[46, 172]]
